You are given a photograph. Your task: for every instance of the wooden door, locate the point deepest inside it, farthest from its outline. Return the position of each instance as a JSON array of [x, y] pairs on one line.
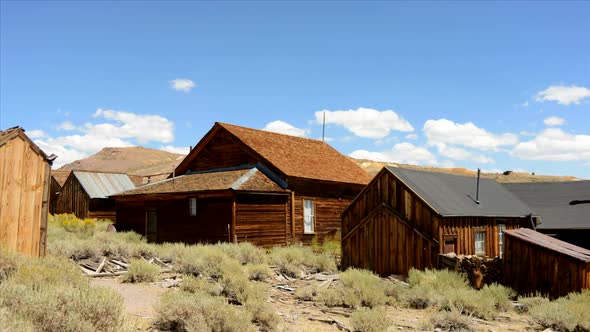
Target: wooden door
[[152, 225], [450, 245]]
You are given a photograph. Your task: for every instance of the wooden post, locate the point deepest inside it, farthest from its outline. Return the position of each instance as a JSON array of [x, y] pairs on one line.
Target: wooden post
[[292, 214], [44, 211], [234, 238]]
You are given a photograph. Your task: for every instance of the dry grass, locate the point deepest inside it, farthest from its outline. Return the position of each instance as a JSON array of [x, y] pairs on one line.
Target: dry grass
[[357, 288], [569, 313], [141, 271], [370, 320]]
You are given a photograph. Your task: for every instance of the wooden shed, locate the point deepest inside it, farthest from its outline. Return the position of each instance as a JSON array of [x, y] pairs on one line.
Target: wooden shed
[[563, 208], [24, 193], [319, 180], [226, 205], [86, 194], [58, 178], [404, 218], [535, 262]]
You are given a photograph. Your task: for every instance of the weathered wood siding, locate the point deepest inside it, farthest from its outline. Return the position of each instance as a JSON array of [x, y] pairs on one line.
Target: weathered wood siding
[[174, 223], [24, 196], [73, 198], [55, 188], [529, 268], [261, 220], [464, 229]]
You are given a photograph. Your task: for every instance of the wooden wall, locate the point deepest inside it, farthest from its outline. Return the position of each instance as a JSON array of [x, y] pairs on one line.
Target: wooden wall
[[24, 196], [54, 190], [73, 198], [174, 224], [464, 229], [529, 268], [327, 218], [261, 219]]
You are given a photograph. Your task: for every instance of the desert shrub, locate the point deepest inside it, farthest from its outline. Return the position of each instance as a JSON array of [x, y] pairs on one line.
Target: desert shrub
[[14, 322], [568, 313], [532, 301], [259, 272], [357, 288], [201, 260], [306, 293], [9, 262], [290, 260], [330, 246], [263, 315], [451, 321], [73, 247], [81, 227], [197, 285], [172, 251], [141, 271], [182, 311], [501, 296], [244, 252], [52, 295], [370, 320]]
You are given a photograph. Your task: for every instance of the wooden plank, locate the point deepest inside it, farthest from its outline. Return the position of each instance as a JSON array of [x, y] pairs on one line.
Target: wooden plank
[[13, 192], [27, 203], [234, 238]]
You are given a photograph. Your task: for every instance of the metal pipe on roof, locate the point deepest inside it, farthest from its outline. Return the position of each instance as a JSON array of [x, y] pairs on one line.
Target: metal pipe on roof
[[477, 189]]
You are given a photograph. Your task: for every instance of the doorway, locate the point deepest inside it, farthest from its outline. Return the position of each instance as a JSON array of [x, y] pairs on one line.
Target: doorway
[[152, 225]]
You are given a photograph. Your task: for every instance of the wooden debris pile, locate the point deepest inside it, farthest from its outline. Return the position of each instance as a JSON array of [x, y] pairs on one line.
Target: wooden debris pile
[[114, 266], [479, 270]]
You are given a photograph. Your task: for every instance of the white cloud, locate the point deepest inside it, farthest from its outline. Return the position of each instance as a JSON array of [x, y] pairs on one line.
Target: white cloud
[[461, 154], [66, 125], [411, 136], [553, 144], [36, 133], [182, 84], [404, 153], [554, 121], [466, 134], [283, 127], [564, 95], [525, 104], [366, 122], [121, 129], [176, 149]]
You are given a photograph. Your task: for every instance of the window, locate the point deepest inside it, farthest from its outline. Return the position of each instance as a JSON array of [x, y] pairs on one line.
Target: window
[[192, 206], [480, 243], [501, 229], [308, 216]]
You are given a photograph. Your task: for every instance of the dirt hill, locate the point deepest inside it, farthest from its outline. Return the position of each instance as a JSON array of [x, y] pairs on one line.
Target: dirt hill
[[157, 163], [132, 160]]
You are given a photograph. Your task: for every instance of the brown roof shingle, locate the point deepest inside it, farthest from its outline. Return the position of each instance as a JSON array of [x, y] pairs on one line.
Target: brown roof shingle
[[60, 176], [297, 156], [249, 179]]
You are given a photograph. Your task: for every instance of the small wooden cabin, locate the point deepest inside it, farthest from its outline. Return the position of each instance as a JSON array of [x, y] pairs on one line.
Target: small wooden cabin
[[86, 194], [24, 193], [563, 208], [535, 262], [320, 183], [227, 205], [58, 178], [404, 218]]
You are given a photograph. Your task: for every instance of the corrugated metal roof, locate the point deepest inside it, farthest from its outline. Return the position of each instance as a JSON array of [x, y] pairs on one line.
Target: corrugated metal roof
[[454, 195], [550, 243], [551, 201], [102, 185]]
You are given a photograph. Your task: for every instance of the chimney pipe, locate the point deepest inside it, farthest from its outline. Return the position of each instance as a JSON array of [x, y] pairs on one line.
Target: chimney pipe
[[477, 190]]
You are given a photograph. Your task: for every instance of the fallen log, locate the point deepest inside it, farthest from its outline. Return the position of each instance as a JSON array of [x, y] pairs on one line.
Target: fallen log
[[99, 268]]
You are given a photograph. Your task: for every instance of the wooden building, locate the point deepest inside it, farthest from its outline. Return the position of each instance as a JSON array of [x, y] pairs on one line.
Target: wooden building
[[535, 262], [319, 182], [86, 194], [24, 193], [404, 218], [563, 208], [58, 178], [237, 204]]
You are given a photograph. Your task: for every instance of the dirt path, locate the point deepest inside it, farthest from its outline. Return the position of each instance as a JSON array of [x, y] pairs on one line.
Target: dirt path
[[139, 299]]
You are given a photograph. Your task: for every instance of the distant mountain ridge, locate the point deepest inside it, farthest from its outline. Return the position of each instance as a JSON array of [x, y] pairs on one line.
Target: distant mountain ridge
[[159, 164]]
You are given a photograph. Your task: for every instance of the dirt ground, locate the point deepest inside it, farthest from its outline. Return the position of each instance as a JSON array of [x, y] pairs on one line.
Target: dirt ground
[[298, 315]]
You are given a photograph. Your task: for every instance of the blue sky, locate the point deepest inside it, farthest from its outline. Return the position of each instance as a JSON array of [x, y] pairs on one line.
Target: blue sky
[[493, 85]]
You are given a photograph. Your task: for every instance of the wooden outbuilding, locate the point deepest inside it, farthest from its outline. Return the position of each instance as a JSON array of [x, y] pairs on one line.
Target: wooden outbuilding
[[24, 193], [563, 208], [535, 262], [319, 182], [405, 218], [86, 194], [58, 178]]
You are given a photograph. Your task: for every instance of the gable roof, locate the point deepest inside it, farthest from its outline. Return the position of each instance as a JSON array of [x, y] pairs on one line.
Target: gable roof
[[551, 201], [102, 185], [245, 179], [293, 156], [550, 243], [60, 176], [454, 195], [10, 133]]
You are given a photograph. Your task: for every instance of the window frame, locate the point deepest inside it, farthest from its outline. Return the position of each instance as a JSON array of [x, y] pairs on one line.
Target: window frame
[[313, 216], [192, 210], [482, 241]]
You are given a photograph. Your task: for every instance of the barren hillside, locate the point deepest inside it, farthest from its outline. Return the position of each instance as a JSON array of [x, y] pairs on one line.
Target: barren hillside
[[144, 161]]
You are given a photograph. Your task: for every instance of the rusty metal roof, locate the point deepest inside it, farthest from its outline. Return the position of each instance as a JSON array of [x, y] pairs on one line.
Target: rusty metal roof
[[102, 185], [546, 241]]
